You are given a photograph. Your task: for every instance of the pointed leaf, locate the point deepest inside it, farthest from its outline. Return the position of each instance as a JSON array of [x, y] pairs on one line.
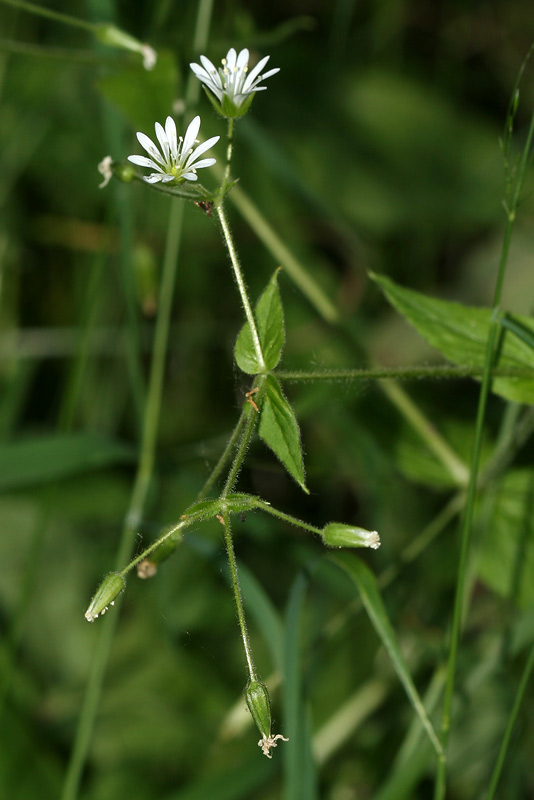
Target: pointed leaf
[[280, 431], [367, 586], [461, 332], [270, 322]]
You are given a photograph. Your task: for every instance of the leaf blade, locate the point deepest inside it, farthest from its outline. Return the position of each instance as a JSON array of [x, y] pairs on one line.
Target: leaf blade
[[280, 431], [366, 584], [460, 333]]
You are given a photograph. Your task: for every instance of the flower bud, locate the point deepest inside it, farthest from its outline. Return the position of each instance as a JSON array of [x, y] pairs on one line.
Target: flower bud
[[259, 705], [110, 588], [338, 535], [111, 35]]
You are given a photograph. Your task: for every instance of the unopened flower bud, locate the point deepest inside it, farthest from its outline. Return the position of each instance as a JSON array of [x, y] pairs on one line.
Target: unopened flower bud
[[338, 535], [259, 705], [106, 594], [111, 35]]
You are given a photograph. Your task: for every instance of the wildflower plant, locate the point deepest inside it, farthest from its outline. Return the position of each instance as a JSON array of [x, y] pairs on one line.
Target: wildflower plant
[[258, 351], [491, 490]]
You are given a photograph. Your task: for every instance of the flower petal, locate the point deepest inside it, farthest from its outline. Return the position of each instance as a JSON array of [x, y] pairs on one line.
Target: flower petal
[[205, 162], [230, 59], [189, 176], [202, 148], [253, 74], [242, 60], [189, 138], [172, 138], [152, 178], [151, 148], [163, 140], [141, 161]]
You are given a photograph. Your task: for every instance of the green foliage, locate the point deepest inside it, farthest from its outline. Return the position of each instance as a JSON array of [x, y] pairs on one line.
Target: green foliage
[[399, 171], [280, 431], [460, 333], [270, 321]]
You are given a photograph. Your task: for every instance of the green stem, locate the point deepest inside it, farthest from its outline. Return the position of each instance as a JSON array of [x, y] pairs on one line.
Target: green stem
[[225, 455], [398, 373], [274, 512], [251, 418], [440, 786], [228, 541], [241, 285], [65, 19], [510, 725], [133, 516], [229, 153]]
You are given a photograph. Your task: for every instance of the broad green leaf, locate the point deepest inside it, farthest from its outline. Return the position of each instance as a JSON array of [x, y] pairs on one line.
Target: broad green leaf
[[366, 584], [506, 555], [460, 333], [41, 459], [270, 322], [280, 431]]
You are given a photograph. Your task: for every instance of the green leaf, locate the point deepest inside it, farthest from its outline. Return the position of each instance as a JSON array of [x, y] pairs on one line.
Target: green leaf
[[42, 459], [460, 333], [366, 584], [270, 322], [506, 555], [280, 431]]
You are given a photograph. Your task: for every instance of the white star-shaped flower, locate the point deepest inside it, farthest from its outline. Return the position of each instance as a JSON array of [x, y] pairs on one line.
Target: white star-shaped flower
[[177, 160], [232, 84]]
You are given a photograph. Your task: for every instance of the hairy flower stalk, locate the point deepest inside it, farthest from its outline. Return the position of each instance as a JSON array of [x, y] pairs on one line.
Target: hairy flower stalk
[[176, 159], [232, 84]]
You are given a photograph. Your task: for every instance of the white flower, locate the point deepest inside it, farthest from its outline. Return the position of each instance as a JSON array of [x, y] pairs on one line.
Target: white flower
[[233, 81], [176, 160]]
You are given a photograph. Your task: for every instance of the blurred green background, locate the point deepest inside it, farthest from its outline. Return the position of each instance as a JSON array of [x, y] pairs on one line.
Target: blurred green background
[[376, 147]]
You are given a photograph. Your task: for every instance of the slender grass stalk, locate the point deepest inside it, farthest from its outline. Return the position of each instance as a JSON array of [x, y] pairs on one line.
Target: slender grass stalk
[[467, 521], [238, 274], [56, 16], [145, 465], [521, 689], [134, 514]]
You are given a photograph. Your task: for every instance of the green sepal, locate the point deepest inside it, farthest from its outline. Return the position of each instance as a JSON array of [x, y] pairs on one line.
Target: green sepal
[[259, 705], [336, 534], [227, 108], [235, 503], [270, 322], [280, 431], [106, 594]]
